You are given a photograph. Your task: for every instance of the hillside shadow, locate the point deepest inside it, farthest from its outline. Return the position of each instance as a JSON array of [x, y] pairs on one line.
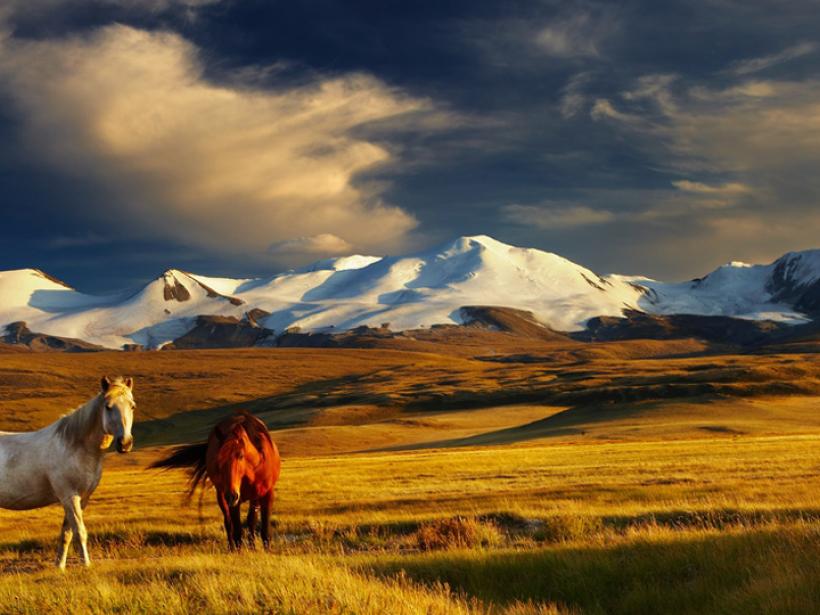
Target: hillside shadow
[[66, 301], [349, 283], [281, 319], [564, 423], [399, 297], [739, 573], [294, 408], [160, 333], [573, 421], [300, 405], [253, 284]]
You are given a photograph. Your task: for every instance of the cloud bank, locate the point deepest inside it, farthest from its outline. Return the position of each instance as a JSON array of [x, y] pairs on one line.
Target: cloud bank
[[759, 137], [229, 168], [325, 244], [552, 216]]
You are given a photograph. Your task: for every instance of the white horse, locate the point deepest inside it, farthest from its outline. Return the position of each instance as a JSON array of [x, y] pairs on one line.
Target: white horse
[[63, 462]]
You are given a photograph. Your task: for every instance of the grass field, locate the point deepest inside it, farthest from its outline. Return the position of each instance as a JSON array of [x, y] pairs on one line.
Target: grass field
[[425, 483]]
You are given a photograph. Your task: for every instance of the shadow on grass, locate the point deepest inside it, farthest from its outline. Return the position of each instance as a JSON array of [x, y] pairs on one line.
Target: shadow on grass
[[28, 546], [774, 571], [292, 409], [564, 423], [110, 539]]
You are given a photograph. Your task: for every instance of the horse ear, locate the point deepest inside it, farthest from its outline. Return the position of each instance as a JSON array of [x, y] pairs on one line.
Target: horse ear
[[129, 382], [105, 383]]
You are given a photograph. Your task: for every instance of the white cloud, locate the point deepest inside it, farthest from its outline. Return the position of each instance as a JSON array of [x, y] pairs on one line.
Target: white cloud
[[753, 65], [689, 199], [729, 188], [573, 98], [551, 215], [325, 244], [230, 168], [748, 127], [575, 35], [761, 137], [655, 89], [603, 109], [745, 89]]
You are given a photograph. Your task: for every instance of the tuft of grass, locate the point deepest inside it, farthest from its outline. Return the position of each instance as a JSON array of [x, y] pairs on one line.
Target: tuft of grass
[[457, 533], [567, 528]]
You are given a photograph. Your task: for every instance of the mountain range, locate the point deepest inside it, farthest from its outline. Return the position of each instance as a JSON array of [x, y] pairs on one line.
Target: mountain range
[[421, 290]]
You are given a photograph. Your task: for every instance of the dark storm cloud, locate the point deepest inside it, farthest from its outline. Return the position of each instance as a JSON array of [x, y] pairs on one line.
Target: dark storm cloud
[[640, 137]]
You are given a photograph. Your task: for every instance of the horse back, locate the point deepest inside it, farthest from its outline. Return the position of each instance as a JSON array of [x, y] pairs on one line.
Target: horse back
[[259, 436]]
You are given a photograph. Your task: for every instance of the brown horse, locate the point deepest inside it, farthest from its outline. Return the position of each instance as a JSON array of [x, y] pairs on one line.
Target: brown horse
[[242, 463]]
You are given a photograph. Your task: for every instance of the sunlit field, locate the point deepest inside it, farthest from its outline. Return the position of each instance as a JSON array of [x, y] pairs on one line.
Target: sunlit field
[[395, 502]]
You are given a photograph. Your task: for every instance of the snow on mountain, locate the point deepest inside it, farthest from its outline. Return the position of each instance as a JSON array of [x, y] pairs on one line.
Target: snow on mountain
[[431, 286], [777, 291], [421, 289], [31, 295], [161, 311], [342, 263], [796, 279]]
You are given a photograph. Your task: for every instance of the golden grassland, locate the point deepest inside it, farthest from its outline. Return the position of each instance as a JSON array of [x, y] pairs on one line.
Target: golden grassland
[[651, 477], [621, 527]]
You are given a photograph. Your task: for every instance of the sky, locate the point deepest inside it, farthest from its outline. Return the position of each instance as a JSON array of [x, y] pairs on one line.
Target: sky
[[245, 137]]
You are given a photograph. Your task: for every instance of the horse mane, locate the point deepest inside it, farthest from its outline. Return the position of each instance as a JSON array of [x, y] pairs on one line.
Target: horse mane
[[194, 456], [257, 430], [77, 425]]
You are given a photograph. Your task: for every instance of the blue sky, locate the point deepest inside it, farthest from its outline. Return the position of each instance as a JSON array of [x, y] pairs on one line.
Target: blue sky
[[234, 137]]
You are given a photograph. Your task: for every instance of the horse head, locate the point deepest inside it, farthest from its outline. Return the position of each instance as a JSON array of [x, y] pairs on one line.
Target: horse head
[[236, 460], [118, 411]]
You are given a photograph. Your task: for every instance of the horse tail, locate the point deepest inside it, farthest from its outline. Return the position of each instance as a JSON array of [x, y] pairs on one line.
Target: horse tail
[[191, 456]]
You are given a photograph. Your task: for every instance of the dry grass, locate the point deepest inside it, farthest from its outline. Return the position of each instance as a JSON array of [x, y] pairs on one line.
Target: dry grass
[[574, 524], [457, 533], [651, 504], [197, 583], [350, 400]]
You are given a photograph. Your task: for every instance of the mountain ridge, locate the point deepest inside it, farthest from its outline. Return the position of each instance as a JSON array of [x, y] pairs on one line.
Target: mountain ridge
[[417, 290]]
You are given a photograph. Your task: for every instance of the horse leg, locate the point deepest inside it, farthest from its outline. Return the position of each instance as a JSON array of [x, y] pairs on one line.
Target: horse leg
[[226, 517], [74, 511], [267, 503], [252, 524], [65, 542], [236, 522]]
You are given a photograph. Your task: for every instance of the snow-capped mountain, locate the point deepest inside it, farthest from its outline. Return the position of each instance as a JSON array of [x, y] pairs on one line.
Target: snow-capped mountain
[[417, 290], [786, 290]]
